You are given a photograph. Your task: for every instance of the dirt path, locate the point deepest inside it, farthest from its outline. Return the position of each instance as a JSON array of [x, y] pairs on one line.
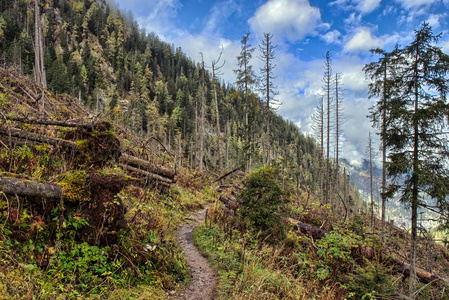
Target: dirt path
[[204, 277]]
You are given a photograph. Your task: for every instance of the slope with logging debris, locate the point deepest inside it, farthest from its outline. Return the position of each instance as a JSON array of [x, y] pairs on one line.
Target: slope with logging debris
[[301, 248], [85, 202]]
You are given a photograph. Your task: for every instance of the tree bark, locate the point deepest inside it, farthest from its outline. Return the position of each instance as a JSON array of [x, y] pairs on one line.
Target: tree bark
[[146, 174], [51, 122], [229, 173], [147, 166], [217, 113], [23, 187], [314, 231], [201, 129], [39, 138]]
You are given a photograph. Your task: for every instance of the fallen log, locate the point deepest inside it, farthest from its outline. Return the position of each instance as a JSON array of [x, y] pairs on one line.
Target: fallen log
[[51, 122], [229, 173], [38, 138], [229, 202], [318, 233], [314, 231], [146, 174], [401, 267], [423, 275], [148, 166], [30, 188]]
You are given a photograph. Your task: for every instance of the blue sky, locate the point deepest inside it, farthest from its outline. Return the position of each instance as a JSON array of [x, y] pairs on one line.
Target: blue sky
[[303, 30]]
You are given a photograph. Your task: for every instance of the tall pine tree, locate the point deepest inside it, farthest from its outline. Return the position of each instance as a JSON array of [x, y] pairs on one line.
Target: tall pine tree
[[415, 130]]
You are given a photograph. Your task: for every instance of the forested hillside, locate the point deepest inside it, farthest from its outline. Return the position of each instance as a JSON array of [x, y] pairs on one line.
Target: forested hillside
[[96, 53], [110, 138]]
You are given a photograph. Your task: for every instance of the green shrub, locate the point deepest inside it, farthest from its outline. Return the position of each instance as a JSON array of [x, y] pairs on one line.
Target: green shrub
[[334, 251], [263, 202], [373, 279]]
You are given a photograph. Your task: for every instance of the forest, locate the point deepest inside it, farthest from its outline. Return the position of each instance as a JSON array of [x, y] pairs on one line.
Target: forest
[[110, 138]]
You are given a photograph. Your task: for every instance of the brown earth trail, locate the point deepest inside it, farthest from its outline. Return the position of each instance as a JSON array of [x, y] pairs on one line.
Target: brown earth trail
[[204, 277]]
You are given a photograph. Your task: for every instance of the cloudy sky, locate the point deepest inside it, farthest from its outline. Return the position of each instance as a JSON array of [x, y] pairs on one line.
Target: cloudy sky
[[304, 31]]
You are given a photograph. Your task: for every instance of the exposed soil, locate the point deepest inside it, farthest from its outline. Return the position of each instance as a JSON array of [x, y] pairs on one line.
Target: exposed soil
[[204, 277]]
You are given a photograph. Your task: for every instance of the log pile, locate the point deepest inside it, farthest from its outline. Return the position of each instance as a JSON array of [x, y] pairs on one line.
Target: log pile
[[39, 138], [100, 148], [163, 176]]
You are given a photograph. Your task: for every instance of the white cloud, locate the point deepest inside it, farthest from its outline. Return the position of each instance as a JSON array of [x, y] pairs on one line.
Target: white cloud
[[332, 37], [362, 40], [415, 4], [220, 12], [367, 6], [210, 47], [353, 20], [362, 6], [445, 46], [289, 19], [434, 21], [159, 14]]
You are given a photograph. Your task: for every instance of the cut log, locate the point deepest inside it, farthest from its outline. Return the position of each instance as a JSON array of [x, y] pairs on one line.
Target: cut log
[[423, 275], [23, 187], [146, 174], [314, 231], [39, 138], [401, 266], [148, 166], [52, 122]]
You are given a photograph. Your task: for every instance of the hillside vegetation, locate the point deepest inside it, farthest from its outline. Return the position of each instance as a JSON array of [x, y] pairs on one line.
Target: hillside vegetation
[[100, 168]]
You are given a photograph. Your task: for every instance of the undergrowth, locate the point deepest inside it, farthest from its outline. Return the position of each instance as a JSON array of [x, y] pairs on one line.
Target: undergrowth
[[41, 260]]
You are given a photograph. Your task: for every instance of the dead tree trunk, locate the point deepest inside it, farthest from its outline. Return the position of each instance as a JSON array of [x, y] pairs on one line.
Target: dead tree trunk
[[51, 122], [216, 72], [38, 138], [146, 174], [147, 166], [23, 187]]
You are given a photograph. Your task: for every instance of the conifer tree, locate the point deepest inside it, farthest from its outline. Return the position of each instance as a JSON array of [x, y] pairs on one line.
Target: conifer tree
[[245, 79], [415, 130], [267, 55], [382, 74]]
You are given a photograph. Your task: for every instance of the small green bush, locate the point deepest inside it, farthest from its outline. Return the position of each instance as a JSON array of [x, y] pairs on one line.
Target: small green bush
[[263, 202], [373, 279]]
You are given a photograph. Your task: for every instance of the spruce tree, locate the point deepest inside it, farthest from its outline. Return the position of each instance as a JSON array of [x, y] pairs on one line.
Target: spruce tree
[[415, 130], [382, 73], [245, 79]]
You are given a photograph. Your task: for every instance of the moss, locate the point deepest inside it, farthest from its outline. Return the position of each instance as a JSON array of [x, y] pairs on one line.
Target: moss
[[82, 144], [115, 172], [42, 148], [75, 186]]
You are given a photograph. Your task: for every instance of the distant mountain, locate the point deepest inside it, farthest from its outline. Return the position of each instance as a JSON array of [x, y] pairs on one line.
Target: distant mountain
[[396, 211]]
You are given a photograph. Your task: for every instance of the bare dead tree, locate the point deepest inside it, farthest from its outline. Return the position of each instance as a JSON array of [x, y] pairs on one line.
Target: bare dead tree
[[370, 156], [216, 66], [318, 127], [267, 55], [327, 90], [39, 69], [201, 117]]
